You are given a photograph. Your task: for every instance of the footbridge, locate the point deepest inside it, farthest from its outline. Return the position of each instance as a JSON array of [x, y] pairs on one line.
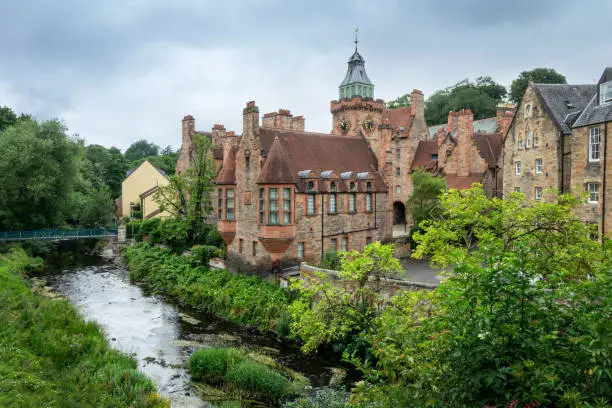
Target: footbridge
[[57, 235]]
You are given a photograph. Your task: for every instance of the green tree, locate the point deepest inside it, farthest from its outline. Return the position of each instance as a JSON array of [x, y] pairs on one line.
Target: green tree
[[481, 96], [188, 195], [522, 321], [141, 149], [399, 102], [423, 204], [7, 117], [37, 175], [341, 311], [106, 167], [538, 76]]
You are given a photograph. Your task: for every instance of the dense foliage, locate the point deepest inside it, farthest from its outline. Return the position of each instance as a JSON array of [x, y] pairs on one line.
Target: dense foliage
[[52, 357], [423, 203], [341, 311], [538, 76], [141, 149], [522, 321], [481, 96], [238, 298]]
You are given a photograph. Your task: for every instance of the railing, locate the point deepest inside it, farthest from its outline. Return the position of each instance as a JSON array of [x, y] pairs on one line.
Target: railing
[[57, 234]]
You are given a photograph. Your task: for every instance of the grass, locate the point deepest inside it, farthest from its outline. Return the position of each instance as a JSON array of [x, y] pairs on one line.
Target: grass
[[239, 298], [242, 375], [51, 357]]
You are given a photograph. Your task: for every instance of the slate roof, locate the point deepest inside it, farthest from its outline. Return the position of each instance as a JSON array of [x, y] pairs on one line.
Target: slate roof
[[594, 114], [489, 146], [314, 151], [487, 125], [433, 130], [133, 169], [555, 96], [356, 71]]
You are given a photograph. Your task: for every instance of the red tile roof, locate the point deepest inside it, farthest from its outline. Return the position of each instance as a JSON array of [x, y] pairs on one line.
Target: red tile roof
[[227, 175], [462, 182], [399, 117], [423, 154], [317, 152], [276, 169], [489, 146]]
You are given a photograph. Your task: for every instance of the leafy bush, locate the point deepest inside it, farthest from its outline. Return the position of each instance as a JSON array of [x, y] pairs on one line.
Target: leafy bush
[[174, 233], [39, 248], [326, 398], [214, 238], [258, 380], [331, 260], [238, 298], [201, 254], [150, 229], [211, 365], [283, 324]]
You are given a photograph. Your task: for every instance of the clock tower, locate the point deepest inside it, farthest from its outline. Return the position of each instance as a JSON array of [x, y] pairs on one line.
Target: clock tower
[[356, 113]]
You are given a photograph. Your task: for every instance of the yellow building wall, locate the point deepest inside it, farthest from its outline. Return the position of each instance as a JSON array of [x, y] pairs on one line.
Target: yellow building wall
[[145, 177]]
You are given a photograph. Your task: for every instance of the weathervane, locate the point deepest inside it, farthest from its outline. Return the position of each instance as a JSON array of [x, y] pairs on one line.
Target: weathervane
[[356, 40]]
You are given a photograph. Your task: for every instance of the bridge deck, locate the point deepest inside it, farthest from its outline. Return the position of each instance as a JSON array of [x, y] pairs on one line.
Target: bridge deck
[[57, 234]]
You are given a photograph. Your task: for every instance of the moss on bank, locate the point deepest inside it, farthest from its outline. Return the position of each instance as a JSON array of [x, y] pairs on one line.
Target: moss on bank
[[51, 357], [238, 298]]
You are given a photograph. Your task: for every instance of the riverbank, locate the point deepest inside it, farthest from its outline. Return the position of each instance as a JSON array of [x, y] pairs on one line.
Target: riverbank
[[52, 357], [238, 298]]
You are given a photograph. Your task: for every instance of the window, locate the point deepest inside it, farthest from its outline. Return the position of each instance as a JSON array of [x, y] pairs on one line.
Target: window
[[311, 204], [229, 204], [345, 244], [352, 198], [273, 205], [538, 193], [254, 248], [262, 206], [594, 142], [520, 142], [220, 204], [300, 250], [397, 154], [240, 245], [528, 110], [538, 166], [593, 189], [368, 196], [334, 244], [286, 206], [332, 198], [528, 141], [517, 189], [397, 189], [517, 168], [536, 140], [397, 172], [352, 186], [605, 92], [368, 240], [434, 156], [310, 186], [247, 161]]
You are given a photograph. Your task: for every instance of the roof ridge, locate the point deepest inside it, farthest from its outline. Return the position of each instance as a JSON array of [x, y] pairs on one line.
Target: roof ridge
[[585, 109]]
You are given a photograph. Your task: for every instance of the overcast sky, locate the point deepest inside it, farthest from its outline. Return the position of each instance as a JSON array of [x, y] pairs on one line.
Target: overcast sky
[[116, 71]]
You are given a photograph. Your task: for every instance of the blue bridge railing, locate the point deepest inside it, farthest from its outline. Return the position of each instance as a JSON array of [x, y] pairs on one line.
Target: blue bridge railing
[[57, 234]]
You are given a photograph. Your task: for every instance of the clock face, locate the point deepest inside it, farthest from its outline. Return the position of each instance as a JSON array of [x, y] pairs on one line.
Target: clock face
[[344, 125], [368, 125]]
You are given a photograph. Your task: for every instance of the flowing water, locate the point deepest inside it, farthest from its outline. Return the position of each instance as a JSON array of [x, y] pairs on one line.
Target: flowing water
[[161, 335]]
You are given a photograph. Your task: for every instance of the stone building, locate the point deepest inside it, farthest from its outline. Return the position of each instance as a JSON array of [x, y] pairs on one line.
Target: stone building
[[465, 151], [558, 142], [285, 195]]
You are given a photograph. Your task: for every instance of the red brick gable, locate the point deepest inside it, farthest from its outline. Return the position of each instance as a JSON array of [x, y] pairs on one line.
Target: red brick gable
[[489, 147], [422, 156], [227, 175]]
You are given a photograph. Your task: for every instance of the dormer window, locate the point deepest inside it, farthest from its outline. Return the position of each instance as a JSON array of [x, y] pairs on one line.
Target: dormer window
[[310, 186], [352, 186], [605, 92]]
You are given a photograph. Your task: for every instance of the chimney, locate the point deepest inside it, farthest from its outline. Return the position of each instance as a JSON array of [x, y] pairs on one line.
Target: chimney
[[417, 106], [183, 162], [250, 119], [218, 133], [504, 114], [283, 119], [465, 136]]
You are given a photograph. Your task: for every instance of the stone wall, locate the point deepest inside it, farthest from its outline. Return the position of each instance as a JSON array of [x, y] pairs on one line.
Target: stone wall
[[389, 287], [538, 123]]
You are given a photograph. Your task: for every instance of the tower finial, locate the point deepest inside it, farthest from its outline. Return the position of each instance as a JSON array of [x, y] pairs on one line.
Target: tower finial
[[356, 40]]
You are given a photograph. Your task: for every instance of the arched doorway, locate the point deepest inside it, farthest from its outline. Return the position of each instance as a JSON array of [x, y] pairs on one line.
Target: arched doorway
[[399, 213]]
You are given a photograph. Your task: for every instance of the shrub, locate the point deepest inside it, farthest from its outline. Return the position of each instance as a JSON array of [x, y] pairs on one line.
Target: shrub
[[150, 228], [201, 254], [331, 260], [258, 380], [211, 365], [283, 324], [326, 398], [174, 233], [38, 248], [214, 238]]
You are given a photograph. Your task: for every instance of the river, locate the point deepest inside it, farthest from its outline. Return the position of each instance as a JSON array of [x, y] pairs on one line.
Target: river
[[160, 334]]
